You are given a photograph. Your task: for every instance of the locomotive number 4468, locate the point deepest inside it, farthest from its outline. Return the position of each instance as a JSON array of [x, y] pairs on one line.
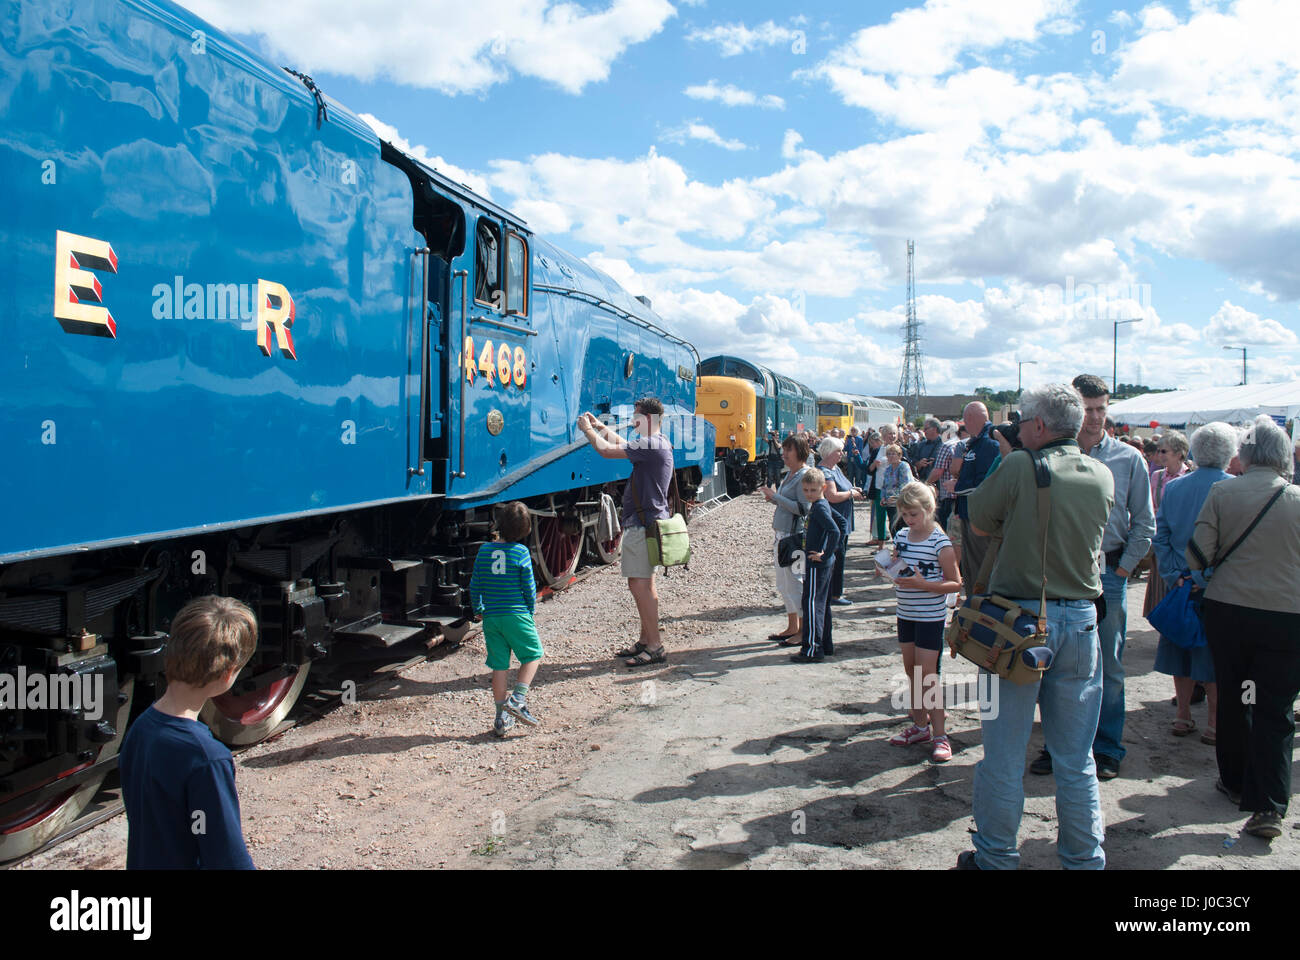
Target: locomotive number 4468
[[500, 363]]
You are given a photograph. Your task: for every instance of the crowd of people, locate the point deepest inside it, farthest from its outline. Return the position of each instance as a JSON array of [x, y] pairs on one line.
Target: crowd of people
[[945, 498], [959, 510]]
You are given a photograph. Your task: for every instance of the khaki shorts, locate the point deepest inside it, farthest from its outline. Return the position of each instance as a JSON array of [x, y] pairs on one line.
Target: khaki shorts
[[633, 555], [954, 534]]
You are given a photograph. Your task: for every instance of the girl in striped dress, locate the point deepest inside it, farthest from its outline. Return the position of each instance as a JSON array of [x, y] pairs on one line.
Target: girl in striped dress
[[922, 612]]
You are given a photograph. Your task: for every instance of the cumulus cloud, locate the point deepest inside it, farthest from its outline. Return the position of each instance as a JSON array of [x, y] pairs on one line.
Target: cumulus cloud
[[736, 38], [732, 96], [445, 44], [1233, 323], [701, 131], [1016, 184], [1028, 113], [646, 202], [1235, 64], [930, 40]]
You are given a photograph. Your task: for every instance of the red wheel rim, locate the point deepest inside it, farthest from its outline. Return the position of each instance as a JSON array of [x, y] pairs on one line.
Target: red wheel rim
[[559, 549], [254, 707]]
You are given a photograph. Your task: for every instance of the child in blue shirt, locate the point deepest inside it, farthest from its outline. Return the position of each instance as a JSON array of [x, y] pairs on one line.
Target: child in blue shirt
[[178, 782], [822, 535], [503, 592]]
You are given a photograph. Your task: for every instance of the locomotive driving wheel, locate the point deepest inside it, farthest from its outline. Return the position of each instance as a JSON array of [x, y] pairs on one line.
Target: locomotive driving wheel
[[603, 551], [556, 547], [33, 827], [242, 719]]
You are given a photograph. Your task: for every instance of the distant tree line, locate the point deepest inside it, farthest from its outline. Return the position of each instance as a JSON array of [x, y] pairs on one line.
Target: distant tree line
[[1123, 391]]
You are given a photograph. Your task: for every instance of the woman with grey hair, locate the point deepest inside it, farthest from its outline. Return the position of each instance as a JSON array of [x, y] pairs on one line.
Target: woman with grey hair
[[791, 508], [1247, 544], [839, 493], [1213, 447]]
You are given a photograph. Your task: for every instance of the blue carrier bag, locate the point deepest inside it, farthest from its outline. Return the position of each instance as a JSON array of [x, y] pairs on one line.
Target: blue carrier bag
[[1178, 617]]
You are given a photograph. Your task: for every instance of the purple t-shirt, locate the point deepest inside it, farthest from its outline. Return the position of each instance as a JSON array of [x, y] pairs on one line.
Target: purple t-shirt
[[652, 470]]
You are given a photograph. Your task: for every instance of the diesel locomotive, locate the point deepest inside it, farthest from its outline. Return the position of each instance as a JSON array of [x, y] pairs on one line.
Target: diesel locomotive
[[844, 411], [744, 401], [254, 350]]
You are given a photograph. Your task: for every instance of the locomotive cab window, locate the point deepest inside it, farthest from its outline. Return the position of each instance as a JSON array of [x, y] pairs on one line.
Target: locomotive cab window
[[516, 275], [487, 264]]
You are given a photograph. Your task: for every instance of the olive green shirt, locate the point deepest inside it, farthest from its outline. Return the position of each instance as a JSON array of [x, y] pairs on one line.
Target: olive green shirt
[[1006, 505]]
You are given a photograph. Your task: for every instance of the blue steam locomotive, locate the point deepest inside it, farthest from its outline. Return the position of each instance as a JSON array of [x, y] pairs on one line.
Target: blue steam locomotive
[[255, 351]]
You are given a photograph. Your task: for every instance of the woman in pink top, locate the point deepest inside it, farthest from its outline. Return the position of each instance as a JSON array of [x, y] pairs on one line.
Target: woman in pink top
[[1171, 464]]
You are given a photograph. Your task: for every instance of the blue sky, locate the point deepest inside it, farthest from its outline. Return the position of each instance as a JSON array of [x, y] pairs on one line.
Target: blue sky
[[756, 168]]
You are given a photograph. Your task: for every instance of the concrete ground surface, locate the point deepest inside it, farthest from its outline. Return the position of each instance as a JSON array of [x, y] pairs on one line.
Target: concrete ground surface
[[727, 756], [738, 758]]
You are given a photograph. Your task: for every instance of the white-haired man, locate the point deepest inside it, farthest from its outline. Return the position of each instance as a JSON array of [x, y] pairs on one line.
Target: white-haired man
[[1069, 694]]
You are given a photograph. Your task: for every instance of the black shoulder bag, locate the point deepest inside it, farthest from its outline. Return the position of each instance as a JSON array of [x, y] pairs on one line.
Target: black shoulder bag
[[792, 543]]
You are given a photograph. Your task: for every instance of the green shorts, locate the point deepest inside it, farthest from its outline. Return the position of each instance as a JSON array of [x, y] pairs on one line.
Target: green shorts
[[504, 633]]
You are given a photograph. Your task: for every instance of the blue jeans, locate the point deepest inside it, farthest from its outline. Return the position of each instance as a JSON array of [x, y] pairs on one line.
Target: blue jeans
[[1069, 696], [1112, 632]]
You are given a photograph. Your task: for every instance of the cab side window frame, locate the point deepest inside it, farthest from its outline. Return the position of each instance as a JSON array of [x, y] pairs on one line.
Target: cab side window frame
[[522, 280], [496, 293]]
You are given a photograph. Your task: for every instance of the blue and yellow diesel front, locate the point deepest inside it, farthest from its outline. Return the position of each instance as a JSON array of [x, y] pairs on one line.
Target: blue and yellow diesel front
[[731, 405]]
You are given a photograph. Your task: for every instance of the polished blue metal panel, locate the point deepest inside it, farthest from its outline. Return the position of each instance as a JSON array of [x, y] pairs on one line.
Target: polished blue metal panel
[[202, 167], [208, 171]]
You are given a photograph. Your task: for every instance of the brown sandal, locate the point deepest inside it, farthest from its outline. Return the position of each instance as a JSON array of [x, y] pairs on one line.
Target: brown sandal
[[646, 657], [631, 651]]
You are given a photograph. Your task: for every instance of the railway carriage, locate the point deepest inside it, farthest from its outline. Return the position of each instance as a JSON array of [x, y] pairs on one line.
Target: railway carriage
[[253, 350]]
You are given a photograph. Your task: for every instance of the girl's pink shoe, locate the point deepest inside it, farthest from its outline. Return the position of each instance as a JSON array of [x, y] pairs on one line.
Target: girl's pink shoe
[[911, 735], [942, 750]]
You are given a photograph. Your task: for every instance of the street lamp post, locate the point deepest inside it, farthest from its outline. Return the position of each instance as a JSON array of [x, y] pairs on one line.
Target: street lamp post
[[1020, 369], [1114, 370], [1243, 362]]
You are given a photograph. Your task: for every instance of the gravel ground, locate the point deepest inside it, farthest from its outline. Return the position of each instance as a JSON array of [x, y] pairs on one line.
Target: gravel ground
[[728, 755]]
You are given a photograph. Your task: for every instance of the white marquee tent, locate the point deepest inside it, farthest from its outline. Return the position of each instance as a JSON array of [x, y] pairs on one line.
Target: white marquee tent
[[1238, 404]]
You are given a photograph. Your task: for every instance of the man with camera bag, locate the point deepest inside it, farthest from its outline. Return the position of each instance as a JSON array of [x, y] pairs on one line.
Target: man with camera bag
[[646, 499], [1006, 508], [1127, 538]]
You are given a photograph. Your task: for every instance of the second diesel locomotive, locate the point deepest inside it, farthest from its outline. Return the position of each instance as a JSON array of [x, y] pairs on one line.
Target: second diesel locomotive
[[844, 411]]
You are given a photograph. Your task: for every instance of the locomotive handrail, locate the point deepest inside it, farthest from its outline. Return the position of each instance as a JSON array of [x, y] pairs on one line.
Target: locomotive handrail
[[423, 254], [460, 368], [410, 302], [514, 327], [620, 312]]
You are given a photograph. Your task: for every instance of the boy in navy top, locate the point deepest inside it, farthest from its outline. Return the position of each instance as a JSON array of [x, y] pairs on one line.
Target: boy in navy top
[[178, 782], [503, 592], [822, 535]]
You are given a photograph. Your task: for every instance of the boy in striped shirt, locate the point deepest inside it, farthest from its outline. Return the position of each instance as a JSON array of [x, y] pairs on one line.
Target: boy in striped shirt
[[503, 592]]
